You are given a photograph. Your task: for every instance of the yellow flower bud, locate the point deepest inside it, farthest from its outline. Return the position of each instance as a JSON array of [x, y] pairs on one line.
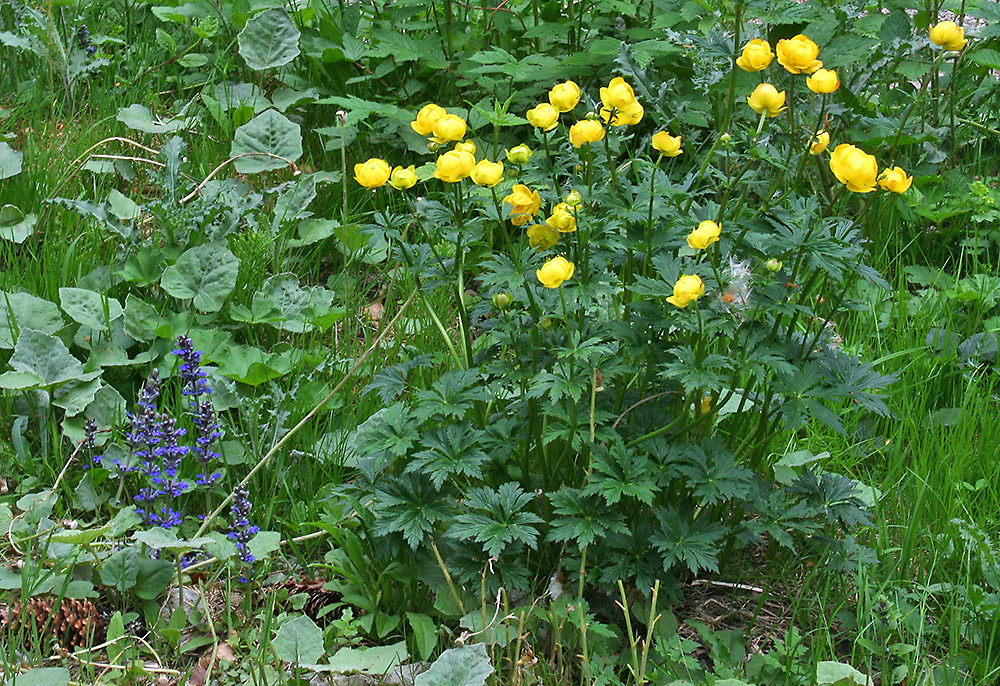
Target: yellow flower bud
[[554, 272], [798, 54], [895, 180], [372, 173], [854, 167], [823, 81], [708, 232], [688, 288], [541, 236], [467, 146], [519, 154], [585, 131], [819, 141], [454, 165], [767, 98], [402, 178], [502, 301], [487, 173], [669, 145], [574, 198], [563, 218], [756, 55], [426, 118], [564, 96], [450, 127], [948, 35], [543, 116]]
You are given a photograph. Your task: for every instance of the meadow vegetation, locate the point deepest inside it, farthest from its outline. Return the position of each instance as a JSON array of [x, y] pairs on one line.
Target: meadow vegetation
[[532, 342]]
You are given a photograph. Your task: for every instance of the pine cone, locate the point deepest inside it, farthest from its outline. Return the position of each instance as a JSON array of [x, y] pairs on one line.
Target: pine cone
[[74, 623], [319, 598]]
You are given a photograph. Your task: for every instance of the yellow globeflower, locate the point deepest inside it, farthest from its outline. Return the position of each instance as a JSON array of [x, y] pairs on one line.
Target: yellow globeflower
[[541, 236], [524, 204], [486, 173], [555, 271], [669, 146], [798, 55], [948, 35], [543, 116], [426, 117], [563, 218], [586, 131], [819, 142], [450, 127], [402, 178], [854, 167], [756, 55], [519, 154], [687, 289], [895, 180], [372, 173], [625, 116], [454, 165], [767, 98], [823, 81], [564, 96], [618, 94], [708, 232], [467, 146]]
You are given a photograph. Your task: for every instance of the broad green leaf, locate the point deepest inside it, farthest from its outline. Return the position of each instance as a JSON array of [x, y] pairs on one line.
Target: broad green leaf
[[48, 358], [378, 660], [46, 676], [139, 117], [121, 570], [23, 310], [15, 225], [10, 161], [75, 396], [206, 274], [463, 666], [424, 633], [116, 631], [831, 673], [299, 641], [153, 577], [269, 39], [985, 57], [270, 140], [122, 206], [89, 308], [264, 543]]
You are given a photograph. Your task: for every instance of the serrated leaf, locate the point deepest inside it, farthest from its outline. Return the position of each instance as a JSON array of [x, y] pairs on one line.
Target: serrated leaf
[[463, 666], [205, 274], [47, 358], [270, 140], [269, 39]]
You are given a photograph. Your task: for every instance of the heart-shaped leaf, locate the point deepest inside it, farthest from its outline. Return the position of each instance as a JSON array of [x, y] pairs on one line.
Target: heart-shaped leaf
[[270, 141], [269, 39], [205, 274]]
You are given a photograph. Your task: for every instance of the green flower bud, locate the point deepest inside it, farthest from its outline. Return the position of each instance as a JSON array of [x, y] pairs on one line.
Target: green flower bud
[[503, 301], [574, 198], [773, 265]]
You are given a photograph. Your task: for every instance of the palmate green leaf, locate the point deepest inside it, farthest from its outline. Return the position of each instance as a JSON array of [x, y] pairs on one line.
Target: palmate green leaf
[[557, 386], [452, 450], [500, 520], [834, 496], [390, 382], [694, 544], [269, 39], [583, 519], [409, 505], [713, 474], [452, 395], [618, 472], [855, 379], [692, 373]]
